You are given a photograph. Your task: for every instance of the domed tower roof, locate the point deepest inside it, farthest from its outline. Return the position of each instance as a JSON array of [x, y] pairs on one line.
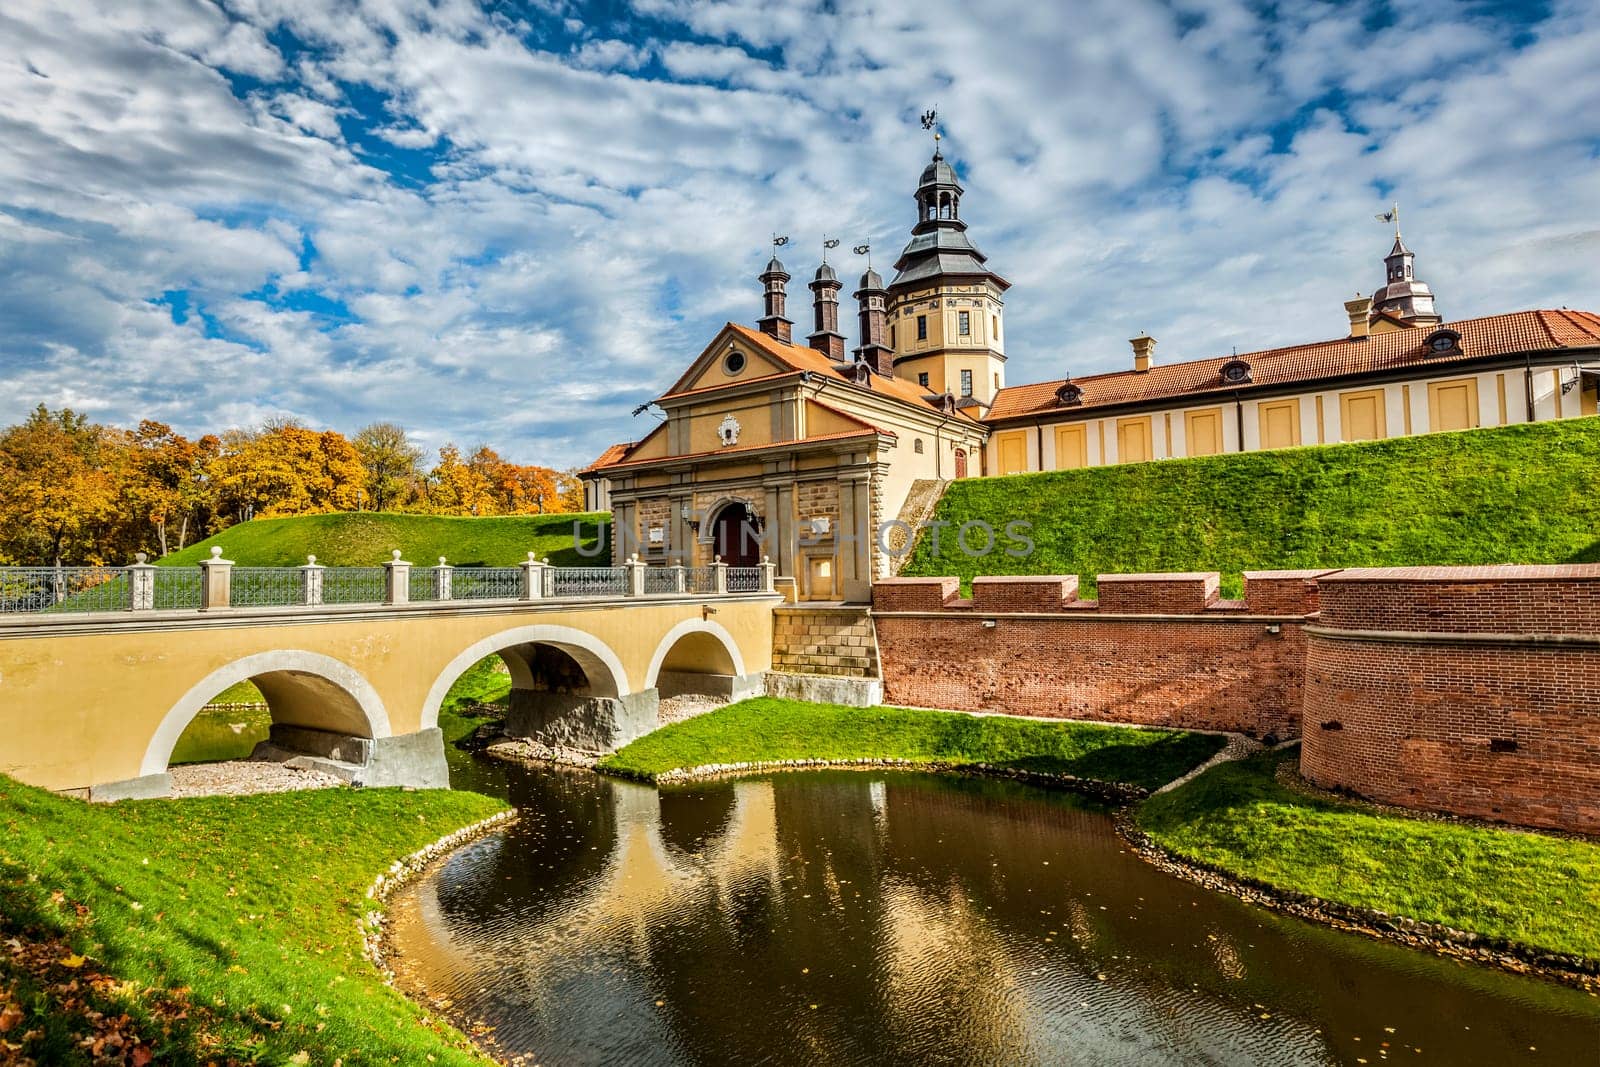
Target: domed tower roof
[[871, 281], [1403, 296], [774, 267], [938, 173], [825, 273], [939, 244]]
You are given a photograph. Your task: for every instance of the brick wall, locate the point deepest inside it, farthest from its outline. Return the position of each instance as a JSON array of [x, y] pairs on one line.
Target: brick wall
[[1155, 649], [834, 641], [1469, 690]]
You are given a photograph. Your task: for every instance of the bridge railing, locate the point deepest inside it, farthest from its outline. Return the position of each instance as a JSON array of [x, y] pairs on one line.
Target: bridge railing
[[217, 584]]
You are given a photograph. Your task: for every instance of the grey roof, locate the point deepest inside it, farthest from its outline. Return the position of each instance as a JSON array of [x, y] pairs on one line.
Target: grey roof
[[870, 280], [774, 267], [940, 247], [825, 274], [939, 172]]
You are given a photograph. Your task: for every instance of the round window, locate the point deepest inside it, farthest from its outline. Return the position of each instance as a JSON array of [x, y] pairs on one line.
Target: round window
[[733, 362]]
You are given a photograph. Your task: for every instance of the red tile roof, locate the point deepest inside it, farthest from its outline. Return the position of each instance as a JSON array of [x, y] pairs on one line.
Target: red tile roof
[[735, 450], [610, 456], [1518, 332]]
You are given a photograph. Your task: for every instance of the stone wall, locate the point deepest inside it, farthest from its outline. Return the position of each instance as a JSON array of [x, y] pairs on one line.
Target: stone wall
[[1161, 650], [1473, 690], [834, 641]]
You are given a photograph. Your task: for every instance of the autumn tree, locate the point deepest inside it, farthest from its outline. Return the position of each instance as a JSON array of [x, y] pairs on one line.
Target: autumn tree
[[287, 469], [457, 486], [57, 488], [167, 484], [393, 463]]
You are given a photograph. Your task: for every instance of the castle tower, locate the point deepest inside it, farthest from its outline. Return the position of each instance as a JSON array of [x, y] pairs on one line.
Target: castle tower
[[945, 312], [825, 314], [871, 299], [1403, 302], [773, 322]]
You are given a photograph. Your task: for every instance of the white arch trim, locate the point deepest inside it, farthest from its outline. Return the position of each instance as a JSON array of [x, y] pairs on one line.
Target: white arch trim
[[693, 626], [159, 752], [545, 633]]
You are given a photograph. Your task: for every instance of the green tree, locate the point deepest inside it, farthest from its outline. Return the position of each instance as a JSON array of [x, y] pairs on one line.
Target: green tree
[[394, 464]]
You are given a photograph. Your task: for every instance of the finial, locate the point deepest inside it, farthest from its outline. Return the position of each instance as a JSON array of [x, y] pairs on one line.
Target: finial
[[441, 561], [532, 558], [864, 250], [1392, 215], [139, 557], [777, 243], [396, 555], [311, 561], [216, 551]]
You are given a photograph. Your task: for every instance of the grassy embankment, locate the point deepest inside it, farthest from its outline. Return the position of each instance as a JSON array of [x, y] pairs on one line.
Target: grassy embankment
[[767, 728], [1517, 494], [1530, 888], [367, 539], [224, 928]]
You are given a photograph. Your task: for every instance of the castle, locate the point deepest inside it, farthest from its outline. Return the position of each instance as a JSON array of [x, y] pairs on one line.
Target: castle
[[823, 459]]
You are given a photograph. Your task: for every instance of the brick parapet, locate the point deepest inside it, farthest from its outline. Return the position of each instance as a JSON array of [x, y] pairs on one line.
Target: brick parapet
[[1504, 600], [1158, 594]]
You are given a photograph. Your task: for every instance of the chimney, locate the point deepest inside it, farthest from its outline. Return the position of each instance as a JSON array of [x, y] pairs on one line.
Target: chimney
[[871, 297], [1144, 347], [825, 305], [773, 322], [1359, 310]]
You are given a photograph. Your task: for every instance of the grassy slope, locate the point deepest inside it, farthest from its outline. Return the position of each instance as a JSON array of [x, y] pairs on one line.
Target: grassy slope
[[366, 539], [251, 903], [767, 728], [1530, 888], [1518, 494]]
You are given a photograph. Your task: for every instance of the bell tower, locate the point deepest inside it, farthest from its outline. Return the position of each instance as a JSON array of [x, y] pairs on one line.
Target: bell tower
[[945, 312]]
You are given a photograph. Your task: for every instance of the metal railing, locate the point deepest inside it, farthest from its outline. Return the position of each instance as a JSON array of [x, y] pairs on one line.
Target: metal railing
[[586, 581], [354, 585], [486, 583], [263, 587], [744, 579], [218, 584]]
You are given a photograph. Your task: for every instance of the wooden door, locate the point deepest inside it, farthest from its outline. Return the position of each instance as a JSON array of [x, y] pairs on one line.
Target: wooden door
[[1133, 440], [1203, 432], [1072, 447], [1362, 416], [1453, 405]]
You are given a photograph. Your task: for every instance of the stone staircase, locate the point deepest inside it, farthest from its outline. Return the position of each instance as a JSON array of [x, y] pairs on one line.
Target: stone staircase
[[919, 506]]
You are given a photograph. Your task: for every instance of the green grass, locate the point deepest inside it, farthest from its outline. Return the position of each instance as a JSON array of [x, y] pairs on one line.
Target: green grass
[[1530, 888], [1517, 494], [767, 728], [249, 903], [367, 538], [485, 682]]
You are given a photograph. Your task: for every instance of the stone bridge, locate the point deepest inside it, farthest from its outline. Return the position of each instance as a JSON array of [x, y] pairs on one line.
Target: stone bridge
[[94, 701]]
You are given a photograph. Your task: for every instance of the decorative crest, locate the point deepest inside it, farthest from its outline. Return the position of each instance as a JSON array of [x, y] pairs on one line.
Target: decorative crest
[[827, 243], [1392, 215], [778, 242], [864, 250]]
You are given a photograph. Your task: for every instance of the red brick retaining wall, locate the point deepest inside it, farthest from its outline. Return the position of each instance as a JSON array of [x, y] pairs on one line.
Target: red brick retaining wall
[[1154, 649], [1469, 690]]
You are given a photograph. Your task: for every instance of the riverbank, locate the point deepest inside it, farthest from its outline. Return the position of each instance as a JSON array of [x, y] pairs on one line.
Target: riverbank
[[768, 733], [221, 929], [1520, 899]]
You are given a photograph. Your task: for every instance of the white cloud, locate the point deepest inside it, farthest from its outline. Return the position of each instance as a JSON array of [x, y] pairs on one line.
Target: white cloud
[[571, 210]]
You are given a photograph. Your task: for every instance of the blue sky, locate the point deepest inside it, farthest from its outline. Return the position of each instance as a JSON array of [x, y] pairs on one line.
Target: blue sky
[[511, 222]]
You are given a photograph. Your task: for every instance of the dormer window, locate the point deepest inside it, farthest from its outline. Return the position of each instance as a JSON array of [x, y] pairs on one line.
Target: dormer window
[[1442, 342], [861, 373], [1235, 372], [1069, 395]]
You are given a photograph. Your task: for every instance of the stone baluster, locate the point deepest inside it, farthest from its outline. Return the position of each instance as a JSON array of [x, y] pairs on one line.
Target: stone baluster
[[216, 581], [311, 582], [141, 584], [396, 580], [443, 578], [680, 578], [769, 575], [533, 577], [719, 576]]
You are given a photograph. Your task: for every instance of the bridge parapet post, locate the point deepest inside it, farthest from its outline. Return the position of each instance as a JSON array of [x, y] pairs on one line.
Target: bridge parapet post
[[719, 576], [311, 582], [141, 584], [769, 575], [680, 578], [396, 580], [635, 573], [533, 577], [216, 581], [443, 579]]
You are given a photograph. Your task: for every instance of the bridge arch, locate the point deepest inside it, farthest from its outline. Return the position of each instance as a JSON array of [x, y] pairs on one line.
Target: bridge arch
[[698, 646], [301, 689], [605, 675]]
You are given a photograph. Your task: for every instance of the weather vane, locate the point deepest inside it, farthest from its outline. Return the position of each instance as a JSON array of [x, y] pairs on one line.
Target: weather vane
[[1392, 215], [864, 250], [827, 243], [930, 121], [778, 242]]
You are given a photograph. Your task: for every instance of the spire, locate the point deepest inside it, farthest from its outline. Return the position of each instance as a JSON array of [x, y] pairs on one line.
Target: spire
[[939, 244], [1402, 300], [773, 279]]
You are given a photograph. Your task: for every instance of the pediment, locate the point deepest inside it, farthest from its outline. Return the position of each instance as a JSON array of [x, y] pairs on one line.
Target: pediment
[[727, 360]]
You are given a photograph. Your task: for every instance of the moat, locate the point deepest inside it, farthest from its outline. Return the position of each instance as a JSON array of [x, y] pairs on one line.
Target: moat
[[855, 917]]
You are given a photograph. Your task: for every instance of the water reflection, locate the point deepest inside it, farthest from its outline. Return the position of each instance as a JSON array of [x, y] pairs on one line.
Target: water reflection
[[896, 918]]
